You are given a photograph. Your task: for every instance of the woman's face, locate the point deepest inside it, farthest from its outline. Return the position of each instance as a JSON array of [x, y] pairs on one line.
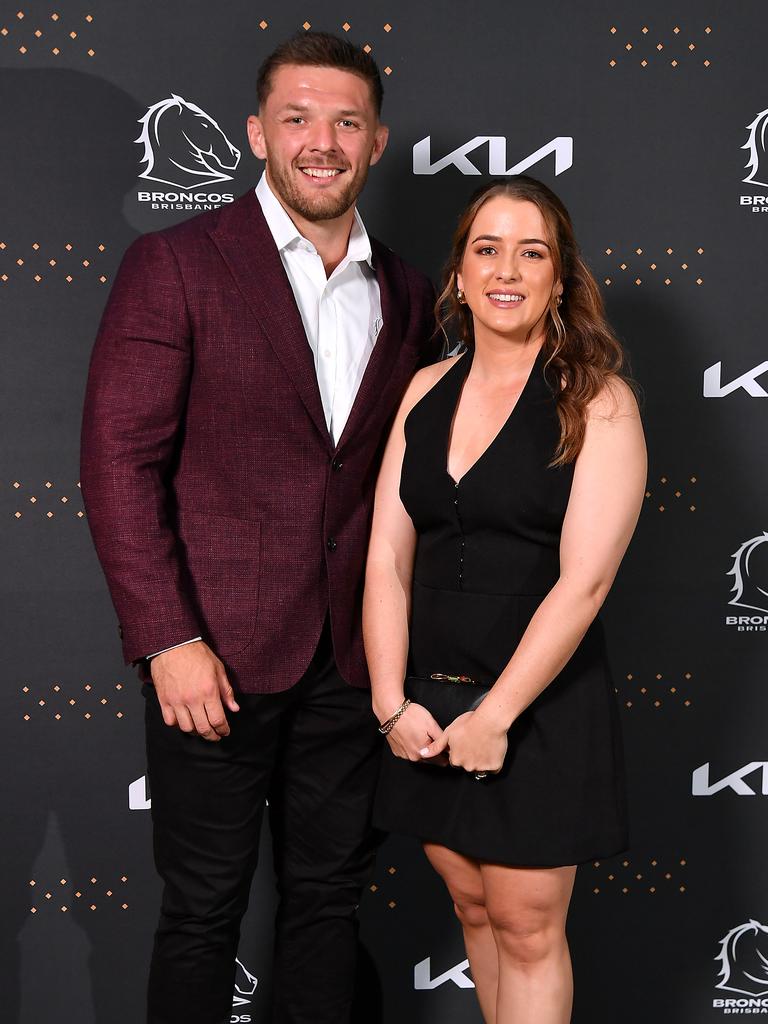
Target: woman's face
[[507, 274]]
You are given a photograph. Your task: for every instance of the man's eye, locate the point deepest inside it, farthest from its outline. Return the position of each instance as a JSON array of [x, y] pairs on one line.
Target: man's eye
[[297, 120], [347, 124]]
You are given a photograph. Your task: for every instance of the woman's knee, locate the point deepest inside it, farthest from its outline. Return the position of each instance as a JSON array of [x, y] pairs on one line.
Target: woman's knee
[[527, 942], [470, 909]]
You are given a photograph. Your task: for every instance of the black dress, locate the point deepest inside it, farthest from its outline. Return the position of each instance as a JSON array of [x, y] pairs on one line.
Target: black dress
[[487, 554]]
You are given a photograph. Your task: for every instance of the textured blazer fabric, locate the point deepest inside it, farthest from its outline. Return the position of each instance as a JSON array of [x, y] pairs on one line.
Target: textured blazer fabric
[[216, 499]]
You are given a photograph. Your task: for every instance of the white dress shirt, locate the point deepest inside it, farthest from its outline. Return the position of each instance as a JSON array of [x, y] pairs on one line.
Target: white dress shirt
[[341, 313]]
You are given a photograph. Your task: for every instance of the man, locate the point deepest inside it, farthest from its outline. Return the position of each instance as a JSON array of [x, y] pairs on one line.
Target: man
[[246, 370]]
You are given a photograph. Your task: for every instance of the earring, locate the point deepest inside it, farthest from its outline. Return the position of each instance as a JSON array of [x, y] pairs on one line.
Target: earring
[[460, 296], [559, 300]]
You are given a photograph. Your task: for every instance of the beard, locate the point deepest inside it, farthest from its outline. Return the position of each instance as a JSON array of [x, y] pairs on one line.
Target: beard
[[320, 206]]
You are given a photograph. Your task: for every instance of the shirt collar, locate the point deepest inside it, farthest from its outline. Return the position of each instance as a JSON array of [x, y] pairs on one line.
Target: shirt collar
[[286, 234]]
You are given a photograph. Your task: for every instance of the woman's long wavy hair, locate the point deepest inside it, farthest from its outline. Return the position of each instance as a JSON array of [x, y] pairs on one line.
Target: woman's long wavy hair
[[582, 353]]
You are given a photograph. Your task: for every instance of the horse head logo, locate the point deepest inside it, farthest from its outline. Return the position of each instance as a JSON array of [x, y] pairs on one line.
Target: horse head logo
[[245, 985], [743, 960], [183, 146], [756, 144], [750, 564]]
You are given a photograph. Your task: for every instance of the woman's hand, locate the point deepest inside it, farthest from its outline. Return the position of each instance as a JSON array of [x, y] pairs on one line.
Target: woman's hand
[[414, 729], [472, 742]]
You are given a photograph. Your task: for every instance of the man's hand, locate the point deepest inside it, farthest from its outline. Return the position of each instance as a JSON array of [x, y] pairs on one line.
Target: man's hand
[[193, 689]]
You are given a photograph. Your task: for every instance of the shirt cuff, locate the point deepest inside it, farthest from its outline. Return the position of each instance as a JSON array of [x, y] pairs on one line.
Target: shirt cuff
[[173, 647]]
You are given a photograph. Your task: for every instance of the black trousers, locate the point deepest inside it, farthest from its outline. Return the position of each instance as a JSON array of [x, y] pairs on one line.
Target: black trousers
[[313, 752]]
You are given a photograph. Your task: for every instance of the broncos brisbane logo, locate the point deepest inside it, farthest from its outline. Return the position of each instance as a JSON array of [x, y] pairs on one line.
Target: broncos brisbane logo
[[183, 146], [750, 565], [743, 960], [245, 985], [756, 144]]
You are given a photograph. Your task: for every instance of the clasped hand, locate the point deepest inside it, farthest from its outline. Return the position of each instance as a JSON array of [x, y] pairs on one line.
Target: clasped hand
[[413, 730], [470, 742]]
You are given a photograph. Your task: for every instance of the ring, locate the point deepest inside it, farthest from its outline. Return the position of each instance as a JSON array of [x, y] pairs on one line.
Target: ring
[[481, 775]]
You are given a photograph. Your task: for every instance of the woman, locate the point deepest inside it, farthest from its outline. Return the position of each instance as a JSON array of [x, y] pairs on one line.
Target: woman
[[509, 490]]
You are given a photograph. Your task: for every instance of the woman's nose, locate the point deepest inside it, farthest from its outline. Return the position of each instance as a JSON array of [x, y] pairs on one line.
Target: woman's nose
[[507, 271]]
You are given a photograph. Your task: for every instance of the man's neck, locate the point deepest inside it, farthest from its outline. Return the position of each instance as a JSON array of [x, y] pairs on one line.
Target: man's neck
[[329, 237]]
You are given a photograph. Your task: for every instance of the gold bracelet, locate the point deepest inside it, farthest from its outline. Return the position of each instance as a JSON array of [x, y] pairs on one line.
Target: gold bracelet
[[390, 723]]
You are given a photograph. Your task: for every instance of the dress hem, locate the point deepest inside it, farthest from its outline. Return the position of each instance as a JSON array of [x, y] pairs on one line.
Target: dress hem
[[609, 849]]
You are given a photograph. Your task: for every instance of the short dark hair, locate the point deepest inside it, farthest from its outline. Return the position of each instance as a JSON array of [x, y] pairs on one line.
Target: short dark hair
[[321, 50]]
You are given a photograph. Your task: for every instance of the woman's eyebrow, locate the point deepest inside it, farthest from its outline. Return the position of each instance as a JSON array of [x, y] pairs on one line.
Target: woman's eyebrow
[[523, 241]]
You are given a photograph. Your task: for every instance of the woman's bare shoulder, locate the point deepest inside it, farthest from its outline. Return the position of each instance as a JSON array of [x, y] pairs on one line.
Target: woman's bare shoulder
[[424, 380], [615, 400]]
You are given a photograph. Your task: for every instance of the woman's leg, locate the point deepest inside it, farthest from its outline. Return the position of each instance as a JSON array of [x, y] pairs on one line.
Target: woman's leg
[[527, 908], [463, 878]]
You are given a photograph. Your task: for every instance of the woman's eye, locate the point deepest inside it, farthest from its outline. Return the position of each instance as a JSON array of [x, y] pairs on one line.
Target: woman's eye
[[533, 252], [486, 250]]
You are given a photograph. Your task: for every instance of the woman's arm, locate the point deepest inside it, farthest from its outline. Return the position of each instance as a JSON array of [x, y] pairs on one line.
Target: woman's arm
[[388, 576], [603, 508]]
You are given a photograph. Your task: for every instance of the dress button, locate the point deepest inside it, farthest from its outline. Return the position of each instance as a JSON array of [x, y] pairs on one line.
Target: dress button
[[336, 465], [331, 544]]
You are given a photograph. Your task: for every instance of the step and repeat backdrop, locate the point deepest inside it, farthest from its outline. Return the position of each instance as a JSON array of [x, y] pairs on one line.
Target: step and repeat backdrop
[[650, 120]]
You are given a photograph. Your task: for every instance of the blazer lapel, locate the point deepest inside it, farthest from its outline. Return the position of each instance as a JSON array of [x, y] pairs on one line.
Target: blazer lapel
[[247, 247], [392, 288]]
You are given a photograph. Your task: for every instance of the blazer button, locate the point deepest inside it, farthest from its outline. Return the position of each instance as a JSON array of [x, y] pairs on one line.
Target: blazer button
[[336, 465], [331, 544]]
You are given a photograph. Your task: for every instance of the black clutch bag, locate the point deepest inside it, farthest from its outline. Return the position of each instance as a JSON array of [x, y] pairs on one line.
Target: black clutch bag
[[445, 697]]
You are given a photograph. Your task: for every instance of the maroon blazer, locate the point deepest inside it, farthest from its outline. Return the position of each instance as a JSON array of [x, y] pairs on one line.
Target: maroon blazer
[[217, 502]]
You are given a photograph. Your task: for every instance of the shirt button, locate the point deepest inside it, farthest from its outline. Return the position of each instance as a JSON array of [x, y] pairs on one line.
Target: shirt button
[[327, 353], [336, 465], [331, 544]]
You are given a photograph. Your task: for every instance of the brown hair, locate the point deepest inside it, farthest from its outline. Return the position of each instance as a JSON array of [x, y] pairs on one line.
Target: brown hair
[[321, 50], [582, 352]]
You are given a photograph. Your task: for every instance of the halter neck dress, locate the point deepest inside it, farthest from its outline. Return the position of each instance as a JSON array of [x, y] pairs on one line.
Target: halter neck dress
[[487, 554]]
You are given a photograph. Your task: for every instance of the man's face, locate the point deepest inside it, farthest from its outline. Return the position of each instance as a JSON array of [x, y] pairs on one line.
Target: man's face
[[319, 133]]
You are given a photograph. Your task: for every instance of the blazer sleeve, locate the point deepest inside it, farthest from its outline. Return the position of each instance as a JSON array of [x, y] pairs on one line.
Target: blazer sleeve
[[135, 402]]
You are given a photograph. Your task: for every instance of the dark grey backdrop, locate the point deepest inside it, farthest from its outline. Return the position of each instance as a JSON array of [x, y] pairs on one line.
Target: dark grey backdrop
[[657, 100]]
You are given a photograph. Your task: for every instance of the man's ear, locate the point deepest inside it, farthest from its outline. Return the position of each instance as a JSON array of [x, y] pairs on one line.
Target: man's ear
[[379, 143], [256, 137]]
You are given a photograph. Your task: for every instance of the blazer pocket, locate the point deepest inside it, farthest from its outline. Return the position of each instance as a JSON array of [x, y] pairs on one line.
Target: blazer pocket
[[223, 559]]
